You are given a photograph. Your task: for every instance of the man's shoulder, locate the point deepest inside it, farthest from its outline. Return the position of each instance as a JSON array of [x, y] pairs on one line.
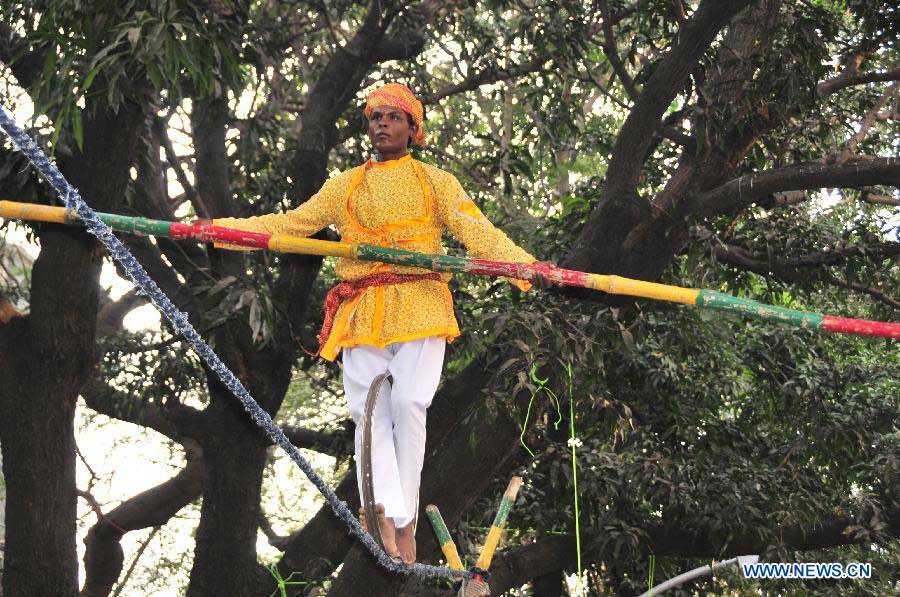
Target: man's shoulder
[[437, 175], [340, 180], [346, 174]]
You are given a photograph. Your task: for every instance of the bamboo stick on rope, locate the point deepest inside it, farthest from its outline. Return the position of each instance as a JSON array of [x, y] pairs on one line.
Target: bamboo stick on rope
[[493, 538], [448, 547], [708, 299]]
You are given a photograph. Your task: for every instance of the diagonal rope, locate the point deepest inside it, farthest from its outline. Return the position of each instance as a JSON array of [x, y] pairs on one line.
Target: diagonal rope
[[181, 325]]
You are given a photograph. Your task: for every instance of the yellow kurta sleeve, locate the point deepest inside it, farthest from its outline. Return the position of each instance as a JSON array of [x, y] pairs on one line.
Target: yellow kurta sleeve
[[318, 212], [459, 214]]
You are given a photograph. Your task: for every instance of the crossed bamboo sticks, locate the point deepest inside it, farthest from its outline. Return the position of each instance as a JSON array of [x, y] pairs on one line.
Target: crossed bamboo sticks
[[448, 547]]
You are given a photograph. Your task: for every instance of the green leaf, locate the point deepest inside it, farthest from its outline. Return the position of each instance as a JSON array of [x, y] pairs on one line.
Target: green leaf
[[89, 79], [58, 123], [77, 128], [49, 64], [155, 75]]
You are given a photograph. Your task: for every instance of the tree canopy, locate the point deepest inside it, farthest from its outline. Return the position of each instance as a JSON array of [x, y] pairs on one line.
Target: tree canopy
[[745, 146]]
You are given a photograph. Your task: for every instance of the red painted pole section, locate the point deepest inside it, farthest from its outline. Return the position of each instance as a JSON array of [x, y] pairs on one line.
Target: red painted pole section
[[484, 267], [206, 232], [861, 327]]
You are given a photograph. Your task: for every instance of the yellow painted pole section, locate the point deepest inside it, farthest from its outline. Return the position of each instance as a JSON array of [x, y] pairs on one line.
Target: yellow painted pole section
[[627, 286], [13, 210], [493, 538], [311, 246], [447, 544]]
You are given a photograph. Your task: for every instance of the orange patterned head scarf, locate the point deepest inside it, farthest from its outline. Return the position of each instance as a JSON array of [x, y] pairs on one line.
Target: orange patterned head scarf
[[400, 96]]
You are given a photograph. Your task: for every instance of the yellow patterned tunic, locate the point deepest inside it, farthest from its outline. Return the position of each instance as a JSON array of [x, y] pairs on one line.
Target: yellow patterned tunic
[[402, 204]]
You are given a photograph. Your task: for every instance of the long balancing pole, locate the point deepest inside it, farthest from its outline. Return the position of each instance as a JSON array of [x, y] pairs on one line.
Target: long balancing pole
[[709, 299]]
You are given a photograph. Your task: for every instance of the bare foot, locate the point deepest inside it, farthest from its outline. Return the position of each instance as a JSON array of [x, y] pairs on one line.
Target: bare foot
[[388, 531], [362, 519], [406, 543]]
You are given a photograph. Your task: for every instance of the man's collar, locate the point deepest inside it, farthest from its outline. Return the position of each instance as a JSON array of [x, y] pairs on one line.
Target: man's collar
[[376, 160]]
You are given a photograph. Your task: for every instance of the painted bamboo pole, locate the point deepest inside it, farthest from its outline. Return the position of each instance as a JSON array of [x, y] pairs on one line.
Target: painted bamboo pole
[[448, 547], [493, 538], [708, 299]]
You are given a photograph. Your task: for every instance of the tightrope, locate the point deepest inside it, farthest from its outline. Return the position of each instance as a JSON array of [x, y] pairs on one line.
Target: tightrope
[[182, 325]]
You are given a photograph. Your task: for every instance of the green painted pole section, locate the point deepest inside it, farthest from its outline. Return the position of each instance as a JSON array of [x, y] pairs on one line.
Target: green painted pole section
[[439, 526], [723, 302], [493, 538], [437, 263], [506, 505], [136, 225], [443, 536]]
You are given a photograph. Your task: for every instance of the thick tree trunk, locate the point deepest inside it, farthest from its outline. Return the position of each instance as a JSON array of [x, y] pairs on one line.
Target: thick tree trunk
[[225, 554], [549, 585], [46, 358], [38, 441]]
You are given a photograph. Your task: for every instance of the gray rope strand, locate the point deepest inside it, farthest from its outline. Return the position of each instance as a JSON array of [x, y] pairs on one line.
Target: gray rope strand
[[181, 325]]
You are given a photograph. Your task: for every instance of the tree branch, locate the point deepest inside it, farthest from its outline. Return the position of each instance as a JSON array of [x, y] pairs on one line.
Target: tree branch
[[873, 292], [797, 269], [611, 51], [177, 164], [678, 136], [334, 443], [741, 192], [213, 194], [151, 199], [402, 46], [700, 543], [109, 320], [852, 77], [694, 38], [279, 542], [134, 561], [621, 203], [515, 567], [488, 76], [325, 536], [150, 256], [866, 196], [817, 259], [480, 177], [624, 13], [104, 558], [783, 199], [102, 398], [868, 121]]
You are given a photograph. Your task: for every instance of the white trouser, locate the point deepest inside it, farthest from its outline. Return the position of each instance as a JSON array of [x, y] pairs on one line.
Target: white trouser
[[398, 423]]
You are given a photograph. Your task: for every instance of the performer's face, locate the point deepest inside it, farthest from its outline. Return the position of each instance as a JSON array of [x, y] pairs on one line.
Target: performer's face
[[390, 130]]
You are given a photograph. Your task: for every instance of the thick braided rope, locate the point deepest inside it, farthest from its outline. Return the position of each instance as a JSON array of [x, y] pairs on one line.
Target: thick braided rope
[[181, 325]]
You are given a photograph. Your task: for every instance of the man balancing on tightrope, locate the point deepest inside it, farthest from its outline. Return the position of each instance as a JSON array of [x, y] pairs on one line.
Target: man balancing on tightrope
[[389, 318]]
